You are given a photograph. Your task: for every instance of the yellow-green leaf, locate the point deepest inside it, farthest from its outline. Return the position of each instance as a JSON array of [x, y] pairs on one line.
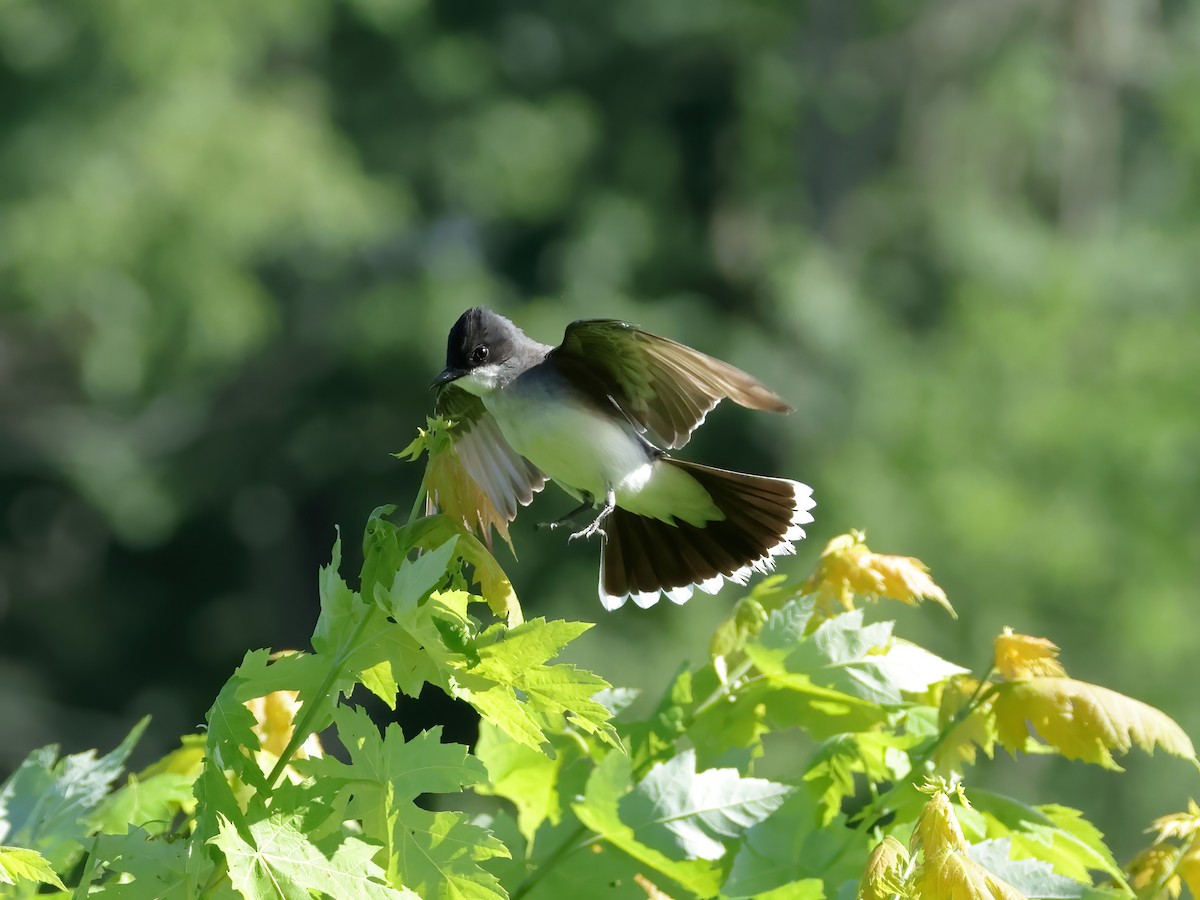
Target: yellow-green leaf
[[952, 875], [1083, 721], [883, 876], [18, 864]]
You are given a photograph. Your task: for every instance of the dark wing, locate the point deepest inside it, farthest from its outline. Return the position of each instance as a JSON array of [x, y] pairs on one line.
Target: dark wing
[[504, 475], [665, 387]]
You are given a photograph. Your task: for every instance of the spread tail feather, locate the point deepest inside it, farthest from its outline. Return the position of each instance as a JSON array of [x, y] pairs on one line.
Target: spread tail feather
[[643, 557]]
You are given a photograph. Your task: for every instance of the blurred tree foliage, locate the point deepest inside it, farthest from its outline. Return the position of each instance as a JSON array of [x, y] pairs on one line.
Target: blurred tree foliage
[[960, 237]]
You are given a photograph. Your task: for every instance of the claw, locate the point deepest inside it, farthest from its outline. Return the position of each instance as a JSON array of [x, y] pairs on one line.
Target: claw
[[610, 503]]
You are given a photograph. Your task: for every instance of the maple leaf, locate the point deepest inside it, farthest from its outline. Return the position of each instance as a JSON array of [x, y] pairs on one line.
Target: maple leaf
[[1153, 872], [970, 733], [947, 871], [436, 854], [599, 810], [1021, 656], [1083, 721], [937, 827], [44, 803], [18, 864], [152, 868], [848, 569], [677, 809], [952, 875], [387, 545], [877, 755], [279, 862], [525, 776], [883, 876], [512, 665], [1180, 826], [860, 660]]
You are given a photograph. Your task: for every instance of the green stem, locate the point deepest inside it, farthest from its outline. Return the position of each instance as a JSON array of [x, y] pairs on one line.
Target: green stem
[[422, 491], [878, 807], [303, 728], [220, 871], [567, 846]]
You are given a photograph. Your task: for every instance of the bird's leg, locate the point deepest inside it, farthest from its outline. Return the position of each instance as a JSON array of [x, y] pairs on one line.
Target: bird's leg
[[588, 502], [610, 503]]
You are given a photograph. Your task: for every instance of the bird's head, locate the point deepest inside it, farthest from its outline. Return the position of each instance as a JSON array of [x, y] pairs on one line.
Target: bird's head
[[481, 352]]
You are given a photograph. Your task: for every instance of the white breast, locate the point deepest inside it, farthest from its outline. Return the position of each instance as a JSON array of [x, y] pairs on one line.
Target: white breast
[[573, 443]]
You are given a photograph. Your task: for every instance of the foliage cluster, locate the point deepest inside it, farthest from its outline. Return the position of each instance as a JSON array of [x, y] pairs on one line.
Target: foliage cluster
[[228, 231], [866, 735]]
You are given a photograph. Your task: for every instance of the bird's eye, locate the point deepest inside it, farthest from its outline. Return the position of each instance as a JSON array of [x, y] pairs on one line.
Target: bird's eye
[[478, 355]]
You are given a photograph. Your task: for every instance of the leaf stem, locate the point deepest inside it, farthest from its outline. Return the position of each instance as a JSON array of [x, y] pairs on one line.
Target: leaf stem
[[422, 492], [922, 759], [303, 728]]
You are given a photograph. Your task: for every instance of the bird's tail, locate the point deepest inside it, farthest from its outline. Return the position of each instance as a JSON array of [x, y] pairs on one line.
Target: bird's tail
[[643, 557]]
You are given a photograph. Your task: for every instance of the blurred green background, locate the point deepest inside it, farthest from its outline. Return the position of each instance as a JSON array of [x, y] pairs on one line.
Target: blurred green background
[[962, 238]]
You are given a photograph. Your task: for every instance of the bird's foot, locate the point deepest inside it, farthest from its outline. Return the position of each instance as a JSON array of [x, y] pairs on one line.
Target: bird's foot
[[610, 503], [591, 529]]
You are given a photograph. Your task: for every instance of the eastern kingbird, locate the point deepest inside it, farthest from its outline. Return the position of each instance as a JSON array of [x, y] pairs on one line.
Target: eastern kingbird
[[584, 414]]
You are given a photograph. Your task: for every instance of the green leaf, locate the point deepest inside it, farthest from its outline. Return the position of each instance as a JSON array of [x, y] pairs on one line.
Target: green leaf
[[512, 665], [526, 777], [878, 755], [152, 867], [229, 744], [45, 803], [792, 847], [418, 577], [386, 545], [1056, 834], [677, 810], [1031, 877], [18, 864], [434, 854], [599, 810], [278, 862], [154, 800], [859, 660]]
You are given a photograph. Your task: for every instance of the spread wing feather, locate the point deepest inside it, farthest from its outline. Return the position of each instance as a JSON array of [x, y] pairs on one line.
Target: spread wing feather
[[665, 387], [506, 477]]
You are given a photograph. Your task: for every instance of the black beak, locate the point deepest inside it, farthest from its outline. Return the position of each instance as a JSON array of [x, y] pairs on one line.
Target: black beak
[[447, 375]]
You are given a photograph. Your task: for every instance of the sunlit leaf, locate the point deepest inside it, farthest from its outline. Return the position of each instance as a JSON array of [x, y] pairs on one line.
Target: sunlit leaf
[[44, 804], [278, 862], [1083, 721], [1021, 656], [1180, 826], [1031, 877], [599, 810], [951, 875], [436, 854], [860, 660], [848, 569], [680, 811], [971, 731], [18, 864], [884, 875], [513, 687], [878, 755], [525, 776]]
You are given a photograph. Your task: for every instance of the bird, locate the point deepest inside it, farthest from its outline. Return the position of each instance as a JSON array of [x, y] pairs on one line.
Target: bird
[[597, 415]]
